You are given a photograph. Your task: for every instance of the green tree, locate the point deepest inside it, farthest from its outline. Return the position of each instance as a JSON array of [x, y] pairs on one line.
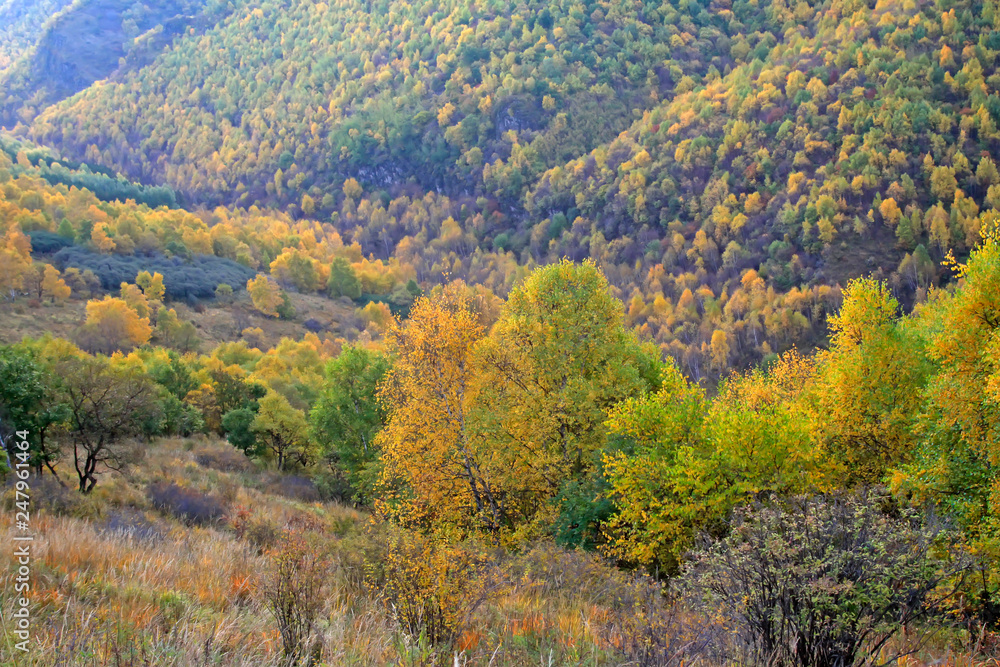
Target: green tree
[[237, 425], [108, 405], [347, 416], [343, 281], [868, 389], [29, 402], [556, 360], [283, 431], [686, 462]]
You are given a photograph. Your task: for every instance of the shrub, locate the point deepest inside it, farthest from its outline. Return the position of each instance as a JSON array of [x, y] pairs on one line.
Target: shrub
[[189, 505], [824, 582], [131, 523], [48, 495], [431, 587], [334, 485], [294, 487], [46, 243], [224, 458], [313, 325], [196, 278], [293, 594], [649, 629], [262, 533]]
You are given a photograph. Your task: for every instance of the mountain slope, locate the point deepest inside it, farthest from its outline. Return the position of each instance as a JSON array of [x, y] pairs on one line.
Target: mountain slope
[[21, 24], [85, 41], [388, 94], [727, 165]]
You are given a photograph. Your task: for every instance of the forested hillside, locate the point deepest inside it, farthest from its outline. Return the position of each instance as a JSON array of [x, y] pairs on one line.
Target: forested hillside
[[63, 47], [21, 24], [655, 333], [728, 166]]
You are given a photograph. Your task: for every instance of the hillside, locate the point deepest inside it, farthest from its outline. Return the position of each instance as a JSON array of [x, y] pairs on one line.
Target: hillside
[[57, 49], [188, 546], [21, 24], [635, 333], [98, 231], [689, 150]]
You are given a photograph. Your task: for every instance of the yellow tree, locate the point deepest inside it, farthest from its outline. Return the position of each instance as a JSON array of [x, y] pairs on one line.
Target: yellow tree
[[432, 473], [956, 464], [720, 350], [868, 387], [15, 260], [112, 325], [265, 294], [556, 360], [53, 285], [689, 461], [151, 284], [136, 300], [99, 237]]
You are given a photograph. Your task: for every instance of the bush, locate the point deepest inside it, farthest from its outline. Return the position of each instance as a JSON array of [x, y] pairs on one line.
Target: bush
[[131, 523], [224, 458], [293, 593], [196, 278], [649, 629], [335, 486], [186, 504], [46, 243], [432, 588], [262, 533], [293, 487], [48, 495], [824, 582]]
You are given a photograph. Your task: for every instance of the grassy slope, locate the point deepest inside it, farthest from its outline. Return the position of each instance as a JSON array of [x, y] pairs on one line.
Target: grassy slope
[[216, 324], [118, 582], [172, 594]]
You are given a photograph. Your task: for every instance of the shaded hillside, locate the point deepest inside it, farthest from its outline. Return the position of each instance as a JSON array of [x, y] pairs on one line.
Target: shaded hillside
[[83, 43], [21, 24]]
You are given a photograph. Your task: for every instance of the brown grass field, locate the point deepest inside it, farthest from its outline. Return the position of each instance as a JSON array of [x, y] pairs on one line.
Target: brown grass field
[[116, 581]]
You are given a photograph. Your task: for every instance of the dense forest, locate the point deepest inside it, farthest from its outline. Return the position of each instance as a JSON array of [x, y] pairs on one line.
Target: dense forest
[[677, 146], [569, 332]]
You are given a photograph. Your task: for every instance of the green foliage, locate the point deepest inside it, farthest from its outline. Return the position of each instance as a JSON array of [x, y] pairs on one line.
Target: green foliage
[[282, 431], [553, 364], [29, 402], [237, 425], [691, 460], [868, 386], [286, 309], [584, 506], [107, 406], [343, 281], [823, 581], [347, 416]]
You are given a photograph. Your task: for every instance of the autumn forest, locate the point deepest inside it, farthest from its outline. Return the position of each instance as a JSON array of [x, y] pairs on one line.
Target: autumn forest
[[464, 332]]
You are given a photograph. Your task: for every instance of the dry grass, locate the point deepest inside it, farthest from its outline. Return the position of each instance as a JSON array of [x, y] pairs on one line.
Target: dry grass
[[60, 320], [215, 324], [117, 582]]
